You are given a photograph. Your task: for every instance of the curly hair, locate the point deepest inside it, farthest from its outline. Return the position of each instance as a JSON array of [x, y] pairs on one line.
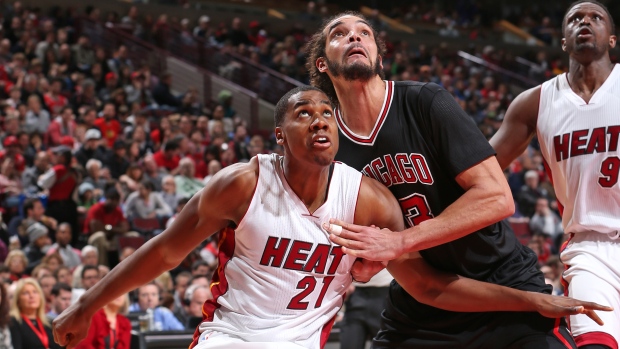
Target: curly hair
[[316, 50]]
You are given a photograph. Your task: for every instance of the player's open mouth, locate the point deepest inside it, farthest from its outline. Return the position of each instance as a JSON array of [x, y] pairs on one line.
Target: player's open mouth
[[584, 33], [356, 52], [321, 142]]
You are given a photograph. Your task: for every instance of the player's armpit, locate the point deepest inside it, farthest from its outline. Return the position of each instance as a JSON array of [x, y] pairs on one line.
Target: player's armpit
[[518, 127]]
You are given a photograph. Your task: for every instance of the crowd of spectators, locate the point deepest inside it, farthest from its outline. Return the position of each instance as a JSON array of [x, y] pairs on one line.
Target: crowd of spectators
[[98, 154]]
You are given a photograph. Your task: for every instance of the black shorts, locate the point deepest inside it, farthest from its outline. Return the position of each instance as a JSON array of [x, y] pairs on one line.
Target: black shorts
[[506, 330]]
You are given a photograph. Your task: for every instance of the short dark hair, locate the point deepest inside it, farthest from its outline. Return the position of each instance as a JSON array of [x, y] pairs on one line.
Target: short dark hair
[[282, 106], [199, 263], [148, 185], [88, 267], [171, 145], [58, 287], [29, 204], [594, 2], [112, 194], [316, 49]]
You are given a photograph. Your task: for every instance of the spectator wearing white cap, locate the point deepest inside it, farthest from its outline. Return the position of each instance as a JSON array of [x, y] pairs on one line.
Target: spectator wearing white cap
[[202, 30], [91, 149], [38, 246]]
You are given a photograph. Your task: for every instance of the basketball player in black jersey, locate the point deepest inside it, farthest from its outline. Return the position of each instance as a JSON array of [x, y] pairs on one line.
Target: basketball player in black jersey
[[416, 140]]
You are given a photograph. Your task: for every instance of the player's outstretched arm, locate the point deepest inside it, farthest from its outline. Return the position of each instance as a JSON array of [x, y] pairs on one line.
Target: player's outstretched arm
[[518, 127], [455, 293], [223, 200], [377, 206]]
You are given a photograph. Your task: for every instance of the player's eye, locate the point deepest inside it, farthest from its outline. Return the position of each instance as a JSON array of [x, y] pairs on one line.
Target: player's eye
[[304, 113], [327, 113], [365, 32], [576, 19]]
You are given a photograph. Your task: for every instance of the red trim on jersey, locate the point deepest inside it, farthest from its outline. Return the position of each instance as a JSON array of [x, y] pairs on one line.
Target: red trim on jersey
[[219, 283], [548, 170], [556, 332], [566, 266], [371, 139], [600, 338], [327, 329]]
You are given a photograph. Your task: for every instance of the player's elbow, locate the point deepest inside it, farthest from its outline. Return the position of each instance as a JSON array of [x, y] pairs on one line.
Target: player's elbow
[[504, 205]]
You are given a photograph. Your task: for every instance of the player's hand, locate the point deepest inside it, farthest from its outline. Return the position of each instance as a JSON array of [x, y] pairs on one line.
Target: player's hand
[[363, 270], [559, 306], [71, 326], [365, 242]]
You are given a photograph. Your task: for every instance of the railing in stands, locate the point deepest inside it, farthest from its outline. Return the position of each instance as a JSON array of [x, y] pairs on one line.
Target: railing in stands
[[507, 75], [185, 72], [267, 83]]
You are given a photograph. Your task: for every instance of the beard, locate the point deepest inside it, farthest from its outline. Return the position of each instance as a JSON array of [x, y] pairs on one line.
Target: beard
[[355, 71]]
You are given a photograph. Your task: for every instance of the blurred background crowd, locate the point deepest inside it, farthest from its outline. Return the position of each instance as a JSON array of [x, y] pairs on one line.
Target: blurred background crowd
[[105, 133]]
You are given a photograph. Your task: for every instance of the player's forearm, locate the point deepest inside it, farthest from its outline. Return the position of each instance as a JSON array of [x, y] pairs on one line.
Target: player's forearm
[[144, 265], [455, 293], [479, 207]]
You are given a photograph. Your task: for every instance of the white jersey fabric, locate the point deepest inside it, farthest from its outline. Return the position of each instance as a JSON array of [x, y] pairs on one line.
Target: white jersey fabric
[[280, 278], [579, 142]]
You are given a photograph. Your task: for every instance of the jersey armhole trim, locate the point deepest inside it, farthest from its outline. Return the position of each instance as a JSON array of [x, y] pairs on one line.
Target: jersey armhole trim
[[242, 220]]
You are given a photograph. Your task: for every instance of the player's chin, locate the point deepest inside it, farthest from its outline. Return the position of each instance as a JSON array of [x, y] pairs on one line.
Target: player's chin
[[323, 159]]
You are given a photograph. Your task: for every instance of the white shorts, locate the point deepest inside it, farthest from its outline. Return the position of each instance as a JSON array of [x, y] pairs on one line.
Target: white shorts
[[593, 274], [219, 340]]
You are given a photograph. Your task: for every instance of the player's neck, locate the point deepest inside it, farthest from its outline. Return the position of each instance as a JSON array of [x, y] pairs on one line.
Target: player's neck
[[585, 79], [308, 182], [360, 103]]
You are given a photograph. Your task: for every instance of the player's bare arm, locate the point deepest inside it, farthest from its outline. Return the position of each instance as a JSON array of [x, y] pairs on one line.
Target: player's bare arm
[[456, 293], [223, 201], [377, 206], [487, 199], [518, 127]]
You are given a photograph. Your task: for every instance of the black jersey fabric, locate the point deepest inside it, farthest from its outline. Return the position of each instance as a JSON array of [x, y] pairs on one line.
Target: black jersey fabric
[[422, 141]]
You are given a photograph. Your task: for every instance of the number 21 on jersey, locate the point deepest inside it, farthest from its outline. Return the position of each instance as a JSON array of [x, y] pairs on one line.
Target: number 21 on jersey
[[415, 209]]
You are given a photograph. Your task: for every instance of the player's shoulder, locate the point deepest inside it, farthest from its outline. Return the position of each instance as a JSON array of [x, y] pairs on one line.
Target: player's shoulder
[[416, 92], [238, 178]]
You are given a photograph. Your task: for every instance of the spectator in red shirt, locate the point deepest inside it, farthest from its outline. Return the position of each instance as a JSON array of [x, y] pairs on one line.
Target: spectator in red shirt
[[61, 180], [168, 157], [104, 223], [63, 125], [12, 150], [109, 329], [108, 125], [53, 99]]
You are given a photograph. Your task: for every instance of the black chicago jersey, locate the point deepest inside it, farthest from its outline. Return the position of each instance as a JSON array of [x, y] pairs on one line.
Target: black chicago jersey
[[417, 148]]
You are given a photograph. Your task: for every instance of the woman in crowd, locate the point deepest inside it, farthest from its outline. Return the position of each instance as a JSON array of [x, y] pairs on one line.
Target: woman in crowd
[[29, 326], [16, 261], [110, 329]]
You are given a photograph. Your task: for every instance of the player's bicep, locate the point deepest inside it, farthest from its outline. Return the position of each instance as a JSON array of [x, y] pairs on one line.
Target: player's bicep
[[518, 127], [377, 206]]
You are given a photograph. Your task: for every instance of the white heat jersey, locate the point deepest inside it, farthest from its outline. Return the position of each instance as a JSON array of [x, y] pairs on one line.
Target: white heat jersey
[[579, 142], [280, 278]]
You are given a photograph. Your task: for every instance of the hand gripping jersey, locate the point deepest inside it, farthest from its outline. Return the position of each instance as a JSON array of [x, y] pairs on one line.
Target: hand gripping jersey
[[422, 140], [579, 142], [280, 278]]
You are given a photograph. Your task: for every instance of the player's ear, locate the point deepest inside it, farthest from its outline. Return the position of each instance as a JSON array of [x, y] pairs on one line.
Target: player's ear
[[563, 44], [380, 58], [279, 136], [321, 65], [612, 41]]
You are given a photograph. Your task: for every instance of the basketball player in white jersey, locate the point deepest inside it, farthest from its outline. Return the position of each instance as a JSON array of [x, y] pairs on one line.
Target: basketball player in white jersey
[[576, 117], [280, 280]]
